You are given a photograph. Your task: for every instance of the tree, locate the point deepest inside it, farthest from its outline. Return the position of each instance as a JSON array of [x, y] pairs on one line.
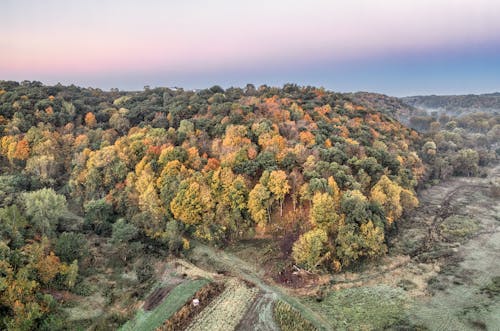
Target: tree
[[22, 150], [44, 167], [296, 181], [12, 226], [408, 200], [323, 213], [259, 204], [149, 200], [466, 162], [173, 236], [99, 215], [387, 194], [372, 240], [44, 208], [193, 202], [119, 122], [90, 120], [354, 205], [168, 181], [123, 232], [48, 267], [348, 244], [310, 249], [278, 185], [71, 246], [335, 191]]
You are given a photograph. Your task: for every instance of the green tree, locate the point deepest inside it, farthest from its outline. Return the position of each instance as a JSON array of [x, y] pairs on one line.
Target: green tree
[[99, 215], [12, 226], [44, 208], [123, 232], [71, 246], [466, 162]]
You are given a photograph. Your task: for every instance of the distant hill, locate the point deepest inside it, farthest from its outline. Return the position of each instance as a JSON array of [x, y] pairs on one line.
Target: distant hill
[[456, 103], [392, 106]]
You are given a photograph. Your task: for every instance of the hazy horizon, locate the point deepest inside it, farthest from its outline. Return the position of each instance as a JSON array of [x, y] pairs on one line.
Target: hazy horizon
[[427, 47]]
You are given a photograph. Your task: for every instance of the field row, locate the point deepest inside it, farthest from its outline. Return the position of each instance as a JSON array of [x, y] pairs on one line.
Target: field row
[[225, 312]]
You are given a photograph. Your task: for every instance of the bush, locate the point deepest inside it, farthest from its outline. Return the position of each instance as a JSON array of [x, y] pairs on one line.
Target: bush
[[99, 216], [144, 271], [71, 246]]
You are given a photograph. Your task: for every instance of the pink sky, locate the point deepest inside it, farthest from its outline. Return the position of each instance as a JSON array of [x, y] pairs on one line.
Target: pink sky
[[65, 38]]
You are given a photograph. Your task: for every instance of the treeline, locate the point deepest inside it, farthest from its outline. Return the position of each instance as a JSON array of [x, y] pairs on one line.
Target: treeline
[[163, 166], [457, 104], [458, 145]]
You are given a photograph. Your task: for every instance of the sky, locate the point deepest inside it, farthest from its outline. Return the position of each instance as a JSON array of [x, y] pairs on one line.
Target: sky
[[396, 47]]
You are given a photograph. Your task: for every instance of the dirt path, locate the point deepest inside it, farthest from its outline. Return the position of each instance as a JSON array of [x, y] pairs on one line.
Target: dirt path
[[208, 257], [259, 316]]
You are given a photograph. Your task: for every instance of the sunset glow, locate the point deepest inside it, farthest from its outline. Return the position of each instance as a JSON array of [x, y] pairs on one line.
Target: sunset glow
[[337, 44]]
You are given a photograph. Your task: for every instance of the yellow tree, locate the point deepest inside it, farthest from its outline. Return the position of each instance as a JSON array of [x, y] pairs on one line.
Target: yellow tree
[[408, 200], [278, 185], [387, 194], [149, 200], [193, 203], [235, 145], [323, 213], [90, 120], [373, 240], [259, 204], [336, 195], [310, 249]]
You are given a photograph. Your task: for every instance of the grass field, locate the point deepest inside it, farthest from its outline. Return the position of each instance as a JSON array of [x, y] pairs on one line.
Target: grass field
[[150, 320], [363, 308]]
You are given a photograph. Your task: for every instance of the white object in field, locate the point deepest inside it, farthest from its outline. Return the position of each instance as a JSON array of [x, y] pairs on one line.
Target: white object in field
[[196, 302]]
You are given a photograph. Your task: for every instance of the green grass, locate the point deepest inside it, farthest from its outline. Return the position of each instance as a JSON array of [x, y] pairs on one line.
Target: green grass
[[458, 227], [363, 308], [150, 320]]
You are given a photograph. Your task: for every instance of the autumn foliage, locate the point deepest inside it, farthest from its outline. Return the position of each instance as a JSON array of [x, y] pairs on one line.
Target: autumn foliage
[[215, 165]]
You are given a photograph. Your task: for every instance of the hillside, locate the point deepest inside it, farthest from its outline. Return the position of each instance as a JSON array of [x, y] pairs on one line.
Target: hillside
[[395, 107], [162, 166], [456, 104]]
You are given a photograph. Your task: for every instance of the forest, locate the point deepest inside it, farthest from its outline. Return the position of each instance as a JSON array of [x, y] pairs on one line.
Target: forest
[[87, 173]]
